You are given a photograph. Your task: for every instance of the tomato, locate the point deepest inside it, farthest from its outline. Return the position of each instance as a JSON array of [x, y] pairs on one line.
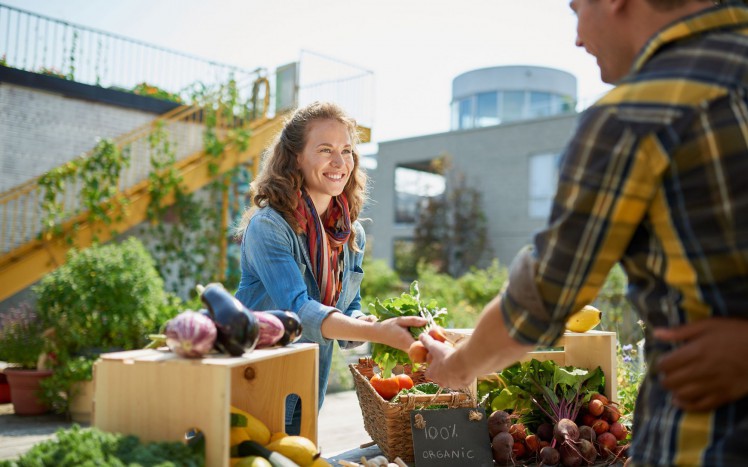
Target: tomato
[[404, 381], [385, 387]]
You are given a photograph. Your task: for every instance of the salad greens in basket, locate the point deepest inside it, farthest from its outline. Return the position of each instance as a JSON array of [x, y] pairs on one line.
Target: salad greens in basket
[[407, 304]]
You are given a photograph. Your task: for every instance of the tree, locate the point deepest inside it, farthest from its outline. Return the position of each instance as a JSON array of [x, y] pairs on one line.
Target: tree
[[451, 230]]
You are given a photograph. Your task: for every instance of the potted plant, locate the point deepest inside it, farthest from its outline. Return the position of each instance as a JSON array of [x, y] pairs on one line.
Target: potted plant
[[104, 298], [21, 345]]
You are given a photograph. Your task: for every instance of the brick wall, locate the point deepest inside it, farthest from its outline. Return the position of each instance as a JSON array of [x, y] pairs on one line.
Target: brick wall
[[40, 130]]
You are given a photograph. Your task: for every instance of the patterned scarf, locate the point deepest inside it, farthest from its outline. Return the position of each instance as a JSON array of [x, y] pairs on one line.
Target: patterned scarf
[[326, 246]]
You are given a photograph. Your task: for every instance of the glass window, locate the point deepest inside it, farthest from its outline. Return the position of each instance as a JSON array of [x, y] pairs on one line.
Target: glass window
[[466, 113], [512, 105], [542, 184], [487, 113], [411, 188], [455, 117], [540, 104]]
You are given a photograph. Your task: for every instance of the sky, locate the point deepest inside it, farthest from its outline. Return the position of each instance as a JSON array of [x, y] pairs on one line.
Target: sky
[[415, 48]]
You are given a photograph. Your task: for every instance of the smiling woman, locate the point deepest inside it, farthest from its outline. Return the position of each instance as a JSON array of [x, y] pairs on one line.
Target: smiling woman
[[302, 244]]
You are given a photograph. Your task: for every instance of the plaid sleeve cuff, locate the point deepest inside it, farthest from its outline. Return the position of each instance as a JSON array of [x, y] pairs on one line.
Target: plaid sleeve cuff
[[526, 316]]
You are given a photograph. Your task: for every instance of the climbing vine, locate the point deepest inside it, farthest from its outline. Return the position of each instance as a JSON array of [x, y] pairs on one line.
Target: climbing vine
[[186, 234], [97, 176]]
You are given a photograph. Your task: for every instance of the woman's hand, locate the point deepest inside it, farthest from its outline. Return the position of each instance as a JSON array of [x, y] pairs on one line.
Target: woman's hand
[[709, 368], [394, 331]]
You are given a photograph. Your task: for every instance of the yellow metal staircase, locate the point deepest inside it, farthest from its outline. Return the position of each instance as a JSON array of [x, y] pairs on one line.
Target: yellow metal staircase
[[27, 253]]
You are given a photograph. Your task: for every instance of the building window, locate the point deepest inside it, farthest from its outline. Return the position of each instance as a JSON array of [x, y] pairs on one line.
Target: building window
[[412, 187], [466, 113], [542, 183], [541, 104], [513, 106], [487, 111]]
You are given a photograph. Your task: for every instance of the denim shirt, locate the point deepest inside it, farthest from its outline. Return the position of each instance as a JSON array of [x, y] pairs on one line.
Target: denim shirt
[[277, 275]]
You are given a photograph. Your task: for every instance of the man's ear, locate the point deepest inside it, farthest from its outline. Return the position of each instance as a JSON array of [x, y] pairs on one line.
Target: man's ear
[[617, 6]]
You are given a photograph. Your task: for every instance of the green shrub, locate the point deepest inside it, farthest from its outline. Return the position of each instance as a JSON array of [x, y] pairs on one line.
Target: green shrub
[[107, 297], [76, 447], [380, 281]]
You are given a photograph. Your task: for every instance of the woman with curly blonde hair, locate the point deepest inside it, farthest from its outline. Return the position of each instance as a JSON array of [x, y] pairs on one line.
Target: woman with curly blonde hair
[[302, 243]]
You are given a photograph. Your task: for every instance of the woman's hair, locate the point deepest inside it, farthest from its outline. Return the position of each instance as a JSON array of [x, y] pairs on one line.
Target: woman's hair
[[280, 178]]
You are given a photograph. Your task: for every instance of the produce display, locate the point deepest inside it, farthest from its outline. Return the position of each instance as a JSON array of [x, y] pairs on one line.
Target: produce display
[[226, 326], [252, 444], [544, 413]]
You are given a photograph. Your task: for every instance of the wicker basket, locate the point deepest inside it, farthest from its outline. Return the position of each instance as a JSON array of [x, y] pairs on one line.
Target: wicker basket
[[388, 423]]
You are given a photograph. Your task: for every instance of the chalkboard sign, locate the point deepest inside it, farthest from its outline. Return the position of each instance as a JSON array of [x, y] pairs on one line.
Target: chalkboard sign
[[451, 437]]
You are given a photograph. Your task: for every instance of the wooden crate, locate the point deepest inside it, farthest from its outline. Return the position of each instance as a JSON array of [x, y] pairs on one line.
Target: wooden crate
[[580, 349], [158, 396]]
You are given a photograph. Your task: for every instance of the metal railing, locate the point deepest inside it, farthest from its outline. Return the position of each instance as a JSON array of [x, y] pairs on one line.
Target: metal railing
[[40, 44]]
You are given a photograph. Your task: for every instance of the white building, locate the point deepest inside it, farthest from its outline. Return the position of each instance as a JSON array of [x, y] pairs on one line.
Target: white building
[[509, 125]]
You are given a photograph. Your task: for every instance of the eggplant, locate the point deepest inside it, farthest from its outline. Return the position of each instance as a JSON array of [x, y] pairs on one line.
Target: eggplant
[[238, 329], [291, 324]]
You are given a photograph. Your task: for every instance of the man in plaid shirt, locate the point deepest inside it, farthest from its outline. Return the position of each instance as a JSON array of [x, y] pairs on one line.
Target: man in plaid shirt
[[654, 178]]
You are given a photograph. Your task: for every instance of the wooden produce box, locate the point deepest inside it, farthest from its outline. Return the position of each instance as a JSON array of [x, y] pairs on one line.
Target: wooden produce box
[[580, 349], [159, 396]]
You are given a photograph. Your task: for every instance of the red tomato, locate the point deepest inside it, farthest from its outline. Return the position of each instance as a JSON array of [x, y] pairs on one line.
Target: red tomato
[[385, 387], [404, 381]]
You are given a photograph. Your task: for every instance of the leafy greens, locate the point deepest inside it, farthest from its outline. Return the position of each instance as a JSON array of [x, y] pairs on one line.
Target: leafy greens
[[408, 304]]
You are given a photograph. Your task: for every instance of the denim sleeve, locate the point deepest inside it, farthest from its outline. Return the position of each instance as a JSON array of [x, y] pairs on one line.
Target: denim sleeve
[[268, 248], [354, 308]]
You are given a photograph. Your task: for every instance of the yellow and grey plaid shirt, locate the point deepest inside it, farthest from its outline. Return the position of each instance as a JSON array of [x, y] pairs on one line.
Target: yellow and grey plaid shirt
[[656, 177]]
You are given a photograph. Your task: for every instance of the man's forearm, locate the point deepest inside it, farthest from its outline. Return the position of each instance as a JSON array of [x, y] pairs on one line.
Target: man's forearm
[[489, 348]]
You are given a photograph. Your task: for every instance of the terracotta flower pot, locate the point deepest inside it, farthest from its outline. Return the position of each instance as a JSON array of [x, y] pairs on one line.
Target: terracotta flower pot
[[4, 389], [24, 390]]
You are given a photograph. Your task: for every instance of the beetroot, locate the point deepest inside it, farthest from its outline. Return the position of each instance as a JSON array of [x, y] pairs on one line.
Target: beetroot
[[549, 456], [566, 430], [595, 407], [606, 444], [570, 456], [618, 430], [501, 446], [498, 422], [600, 426], [611, 414], [586, 432], [190, 334], [545, 431], [587, 450], [533, 443], [518, 431]]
